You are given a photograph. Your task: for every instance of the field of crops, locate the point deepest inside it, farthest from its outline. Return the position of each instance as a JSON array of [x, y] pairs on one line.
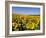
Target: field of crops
[[25, 22]]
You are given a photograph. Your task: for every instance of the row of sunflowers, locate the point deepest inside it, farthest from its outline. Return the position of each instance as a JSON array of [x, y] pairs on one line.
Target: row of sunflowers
[[25, 22]]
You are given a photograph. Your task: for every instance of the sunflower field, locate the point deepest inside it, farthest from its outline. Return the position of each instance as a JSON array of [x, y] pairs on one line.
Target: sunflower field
[[25, 22]]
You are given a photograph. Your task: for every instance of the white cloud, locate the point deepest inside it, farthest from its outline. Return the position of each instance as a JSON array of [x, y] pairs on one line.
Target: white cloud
[[27, 13]]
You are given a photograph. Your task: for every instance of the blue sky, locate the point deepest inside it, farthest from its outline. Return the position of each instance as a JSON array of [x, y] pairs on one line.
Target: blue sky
[[26, 10]]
